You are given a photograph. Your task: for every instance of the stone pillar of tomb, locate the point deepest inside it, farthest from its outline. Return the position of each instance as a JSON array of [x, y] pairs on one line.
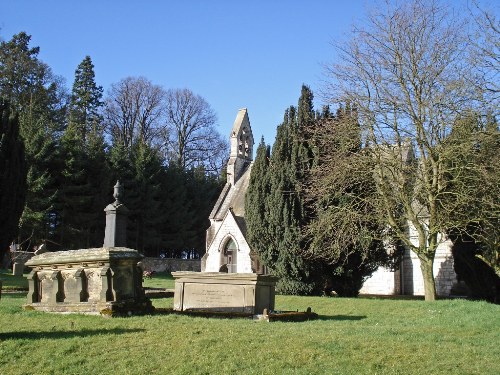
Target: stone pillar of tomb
[[116, 221]]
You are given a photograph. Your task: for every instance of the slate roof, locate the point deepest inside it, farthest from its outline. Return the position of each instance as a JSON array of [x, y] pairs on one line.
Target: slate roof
[[232, 197]]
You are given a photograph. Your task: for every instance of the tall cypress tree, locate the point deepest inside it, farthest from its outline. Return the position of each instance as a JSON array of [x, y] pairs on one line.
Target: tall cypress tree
[[275, 213], [256, 204], [12, 177]]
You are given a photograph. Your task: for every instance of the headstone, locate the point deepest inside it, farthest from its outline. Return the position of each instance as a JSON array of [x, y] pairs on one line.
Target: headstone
[[18, 269]]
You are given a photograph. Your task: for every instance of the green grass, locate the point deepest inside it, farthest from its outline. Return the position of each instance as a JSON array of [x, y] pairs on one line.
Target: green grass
[[352, 336], [11, 282], [160, 280]]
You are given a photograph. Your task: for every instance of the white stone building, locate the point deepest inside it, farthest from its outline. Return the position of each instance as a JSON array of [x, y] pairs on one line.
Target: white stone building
[[226, 246], [408, 278], [227, 249]]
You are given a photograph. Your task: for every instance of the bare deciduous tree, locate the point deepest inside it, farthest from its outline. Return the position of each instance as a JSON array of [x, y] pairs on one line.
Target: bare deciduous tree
[[406, 72], [486, 57], [190, 136], [135, 110]]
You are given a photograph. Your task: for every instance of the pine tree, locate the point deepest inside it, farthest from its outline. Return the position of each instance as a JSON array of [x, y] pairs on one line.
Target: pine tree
[[202, 192], [86, 101], [176, 227], [12, 177], [85, 170], [140, 170], [40, 100]]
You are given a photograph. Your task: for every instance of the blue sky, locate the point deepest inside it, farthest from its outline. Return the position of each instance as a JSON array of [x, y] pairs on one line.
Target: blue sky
[[253, 54]]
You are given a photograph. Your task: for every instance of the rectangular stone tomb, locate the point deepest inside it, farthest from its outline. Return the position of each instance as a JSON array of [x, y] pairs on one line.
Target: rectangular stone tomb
[[104, 280], [224, 292]]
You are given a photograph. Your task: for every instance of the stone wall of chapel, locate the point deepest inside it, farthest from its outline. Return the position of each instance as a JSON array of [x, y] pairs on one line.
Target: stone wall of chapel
[[444, 273], [383, 281], [229, 227]]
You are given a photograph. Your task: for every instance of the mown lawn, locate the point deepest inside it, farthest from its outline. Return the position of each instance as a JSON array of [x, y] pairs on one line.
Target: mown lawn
[[352, 336]]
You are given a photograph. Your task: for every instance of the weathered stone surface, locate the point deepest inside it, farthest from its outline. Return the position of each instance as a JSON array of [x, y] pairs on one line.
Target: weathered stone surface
[[224, 292], [86, 280]]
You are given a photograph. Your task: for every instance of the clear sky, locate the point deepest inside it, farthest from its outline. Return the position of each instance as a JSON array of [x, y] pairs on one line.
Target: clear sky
[[254, 54]]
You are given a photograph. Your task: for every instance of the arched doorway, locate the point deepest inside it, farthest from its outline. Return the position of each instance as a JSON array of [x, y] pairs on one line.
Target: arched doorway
[[229, 255]]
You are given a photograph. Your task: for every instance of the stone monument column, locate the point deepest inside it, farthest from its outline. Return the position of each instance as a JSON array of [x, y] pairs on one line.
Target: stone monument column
[[115, 234]]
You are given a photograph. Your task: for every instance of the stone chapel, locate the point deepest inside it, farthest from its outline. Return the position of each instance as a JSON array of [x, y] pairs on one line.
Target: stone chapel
[[226, 247], [228, 251]]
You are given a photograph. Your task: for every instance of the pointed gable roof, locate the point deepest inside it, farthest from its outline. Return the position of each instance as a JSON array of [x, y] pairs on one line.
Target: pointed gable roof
[[241, 131]]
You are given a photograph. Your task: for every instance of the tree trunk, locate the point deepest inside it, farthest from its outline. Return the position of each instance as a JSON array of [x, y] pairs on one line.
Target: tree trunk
[[426, 265]]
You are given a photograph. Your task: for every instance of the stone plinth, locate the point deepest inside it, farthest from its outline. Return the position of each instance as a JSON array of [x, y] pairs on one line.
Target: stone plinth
[[224, 292], [102, 280]]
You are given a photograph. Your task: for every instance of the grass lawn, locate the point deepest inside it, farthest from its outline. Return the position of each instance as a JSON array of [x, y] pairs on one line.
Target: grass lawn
[[160, 280], [11, 282], [352, 336]]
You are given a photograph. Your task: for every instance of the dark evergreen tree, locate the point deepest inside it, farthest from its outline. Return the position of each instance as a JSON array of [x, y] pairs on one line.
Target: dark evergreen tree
[[274, 197], [176, 229], [256, 204], [39, 98], [140, 170], [85, 170], [12, 177], [202, 192], [343, 235], [86, 101]]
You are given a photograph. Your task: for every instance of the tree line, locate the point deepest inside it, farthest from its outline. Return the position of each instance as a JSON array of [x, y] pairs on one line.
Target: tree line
[[61, 153], [409, 159]]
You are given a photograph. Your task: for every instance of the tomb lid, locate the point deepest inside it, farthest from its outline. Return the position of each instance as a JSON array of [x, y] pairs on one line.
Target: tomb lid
[[84, 255]]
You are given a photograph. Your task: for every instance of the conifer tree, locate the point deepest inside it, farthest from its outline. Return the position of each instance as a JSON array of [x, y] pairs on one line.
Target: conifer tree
[[341, 235], [12, 177], [86, 101], [256, 204], [85, 170], [282, 210], [39, 98]]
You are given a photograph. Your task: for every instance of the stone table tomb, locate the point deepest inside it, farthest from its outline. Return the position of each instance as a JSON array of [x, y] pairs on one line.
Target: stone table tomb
[[105, 280]]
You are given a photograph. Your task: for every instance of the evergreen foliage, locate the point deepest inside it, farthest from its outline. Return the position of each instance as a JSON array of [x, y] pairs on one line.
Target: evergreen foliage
[[40, 99], [257, 205], [86, 101], [297, 204], [12, 176], [275, 211], [85, 169], [284, 213], [342, 235]]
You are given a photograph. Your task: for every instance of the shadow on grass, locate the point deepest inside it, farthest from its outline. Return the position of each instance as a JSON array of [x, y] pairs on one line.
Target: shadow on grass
[[342, 317], [64, 334]]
